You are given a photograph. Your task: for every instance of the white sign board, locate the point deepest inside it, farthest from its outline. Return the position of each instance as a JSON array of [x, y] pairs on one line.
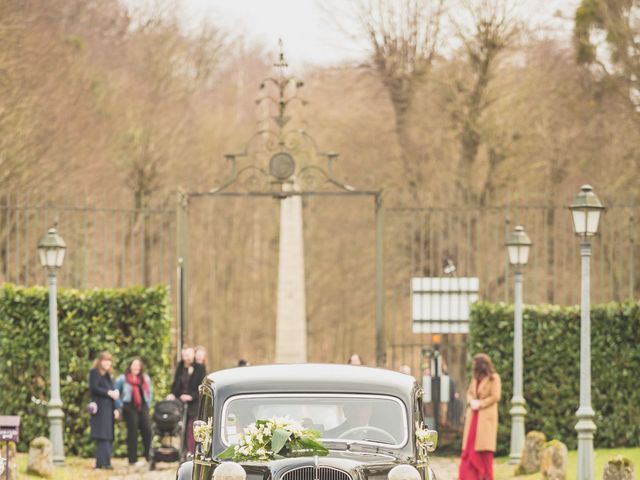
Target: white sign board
[[442, 304]]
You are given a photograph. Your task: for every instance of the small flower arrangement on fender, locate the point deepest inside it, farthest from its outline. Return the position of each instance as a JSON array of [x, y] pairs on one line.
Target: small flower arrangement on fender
[[426, 440], [275, 438]]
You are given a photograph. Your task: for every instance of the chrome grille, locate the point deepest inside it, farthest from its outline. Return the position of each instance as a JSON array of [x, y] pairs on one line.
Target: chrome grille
[[309, 473]]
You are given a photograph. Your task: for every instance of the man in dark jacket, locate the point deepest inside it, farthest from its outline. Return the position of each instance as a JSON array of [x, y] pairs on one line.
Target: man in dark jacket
[[188, 377]]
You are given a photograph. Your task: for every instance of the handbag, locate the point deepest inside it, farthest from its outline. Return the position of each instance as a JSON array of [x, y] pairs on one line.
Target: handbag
[[92, 408]]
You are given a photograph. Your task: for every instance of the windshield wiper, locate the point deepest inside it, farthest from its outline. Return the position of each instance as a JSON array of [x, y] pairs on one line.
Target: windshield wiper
[[375, 440], [340, 446], [359, 447], [367, 448]]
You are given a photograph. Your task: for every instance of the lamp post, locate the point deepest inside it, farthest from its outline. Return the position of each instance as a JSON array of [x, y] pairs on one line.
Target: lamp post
[[585, 210], [51, 249], [518, 245]]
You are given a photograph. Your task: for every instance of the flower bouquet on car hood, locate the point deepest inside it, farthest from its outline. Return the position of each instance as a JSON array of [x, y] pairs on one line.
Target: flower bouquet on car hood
[[275, 438]]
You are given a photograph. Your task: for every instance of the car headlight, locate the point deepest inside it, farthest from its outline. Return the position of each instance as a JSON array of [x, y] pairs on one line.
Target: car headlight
[[404, 472], [229, 471]]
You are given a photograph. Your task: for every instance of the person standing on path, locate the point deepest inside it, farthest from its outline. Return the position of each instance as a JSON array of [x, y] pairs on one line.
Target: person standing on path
[[136, 393], [201, 356], [481, 421], [188, 377], [104, 396], [355, 359]]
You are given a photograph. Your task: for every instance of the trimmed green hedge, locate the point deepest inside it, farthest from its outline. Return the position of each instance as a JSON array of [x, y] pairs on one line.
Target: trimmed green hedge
[[551, 355], [127, 322]]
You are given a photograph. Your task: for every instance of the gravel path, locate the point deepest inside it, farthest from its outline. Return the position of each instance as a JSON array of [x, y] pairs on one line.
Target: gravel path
[[163, 471], [445, 468]]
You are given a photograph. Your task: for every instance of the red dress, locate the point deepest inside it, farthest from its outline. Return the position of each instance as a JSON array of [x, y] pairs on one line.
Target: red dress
[[475, 465]]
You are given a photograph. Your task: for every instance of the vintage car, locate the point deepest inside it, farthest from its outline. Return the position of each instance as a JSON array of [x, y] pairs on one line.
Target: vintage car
[[370, 420]]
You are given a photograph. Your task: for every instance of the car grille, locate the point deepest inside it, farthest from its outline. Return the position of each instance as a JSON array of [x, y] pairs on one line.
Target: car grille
[[309, 473]]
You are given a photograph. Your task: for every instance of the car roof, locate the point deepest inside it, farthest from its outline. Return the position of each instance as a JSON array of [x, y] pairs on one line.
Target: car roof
[[309, 377]]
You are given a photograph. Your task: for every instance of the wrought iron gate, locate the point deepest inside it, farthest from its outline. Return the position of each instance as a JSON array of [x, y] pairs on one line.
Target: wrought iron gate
[[278, 162]]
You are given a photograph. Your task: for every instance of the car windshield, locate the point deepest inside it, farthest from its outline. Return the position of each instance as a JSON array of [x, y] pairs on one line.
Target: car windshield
[[377, 419]]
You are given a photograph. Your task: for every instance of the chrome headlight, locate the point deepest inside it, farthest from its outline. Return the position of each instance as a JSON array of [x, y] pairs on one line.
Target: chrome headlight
[[404, 472]]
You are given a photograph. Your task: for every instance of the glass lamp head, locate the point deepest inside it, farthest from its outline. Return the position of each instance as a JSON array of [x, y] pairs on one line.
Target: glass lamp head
[[585, 211], [518, 245], [51, 250]]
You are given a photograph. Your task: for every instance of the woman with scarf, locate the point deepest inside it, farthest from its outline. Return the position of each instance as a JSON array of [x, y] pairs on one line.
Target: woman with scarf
[[135, 400], [481, 421]]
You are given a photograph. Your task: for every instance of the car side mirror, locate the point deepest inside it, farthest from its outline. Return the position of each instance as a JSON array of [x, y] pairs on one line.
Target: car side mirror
[[431, 440], [426, 439], [202, 433]]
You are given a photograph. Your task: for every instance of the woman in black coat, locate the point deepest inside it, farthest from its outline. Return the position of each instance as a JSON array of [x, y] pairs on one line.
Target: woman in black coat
[[104, 396], [188, 377]]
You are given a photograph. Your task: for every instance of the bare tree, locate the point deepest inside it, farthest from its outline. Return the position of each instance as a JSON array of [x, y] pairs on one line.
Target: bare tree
[[404, 38], [490, 32]]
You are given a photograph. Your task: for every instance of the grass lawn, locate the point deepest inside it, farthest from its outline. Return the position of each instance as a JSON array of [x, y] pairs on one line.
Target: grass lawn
[[503, 470], [76, 468]]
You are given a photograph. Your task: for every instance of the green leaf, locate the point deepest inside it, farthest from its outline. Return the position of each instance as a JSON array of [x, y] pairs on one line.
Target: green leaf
[[228, 454], [279, 439]]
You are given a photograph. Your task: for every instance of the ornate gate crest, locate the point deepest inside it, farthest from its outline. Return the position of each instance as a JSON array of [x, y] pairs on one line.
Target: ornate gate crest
[[279, 158]]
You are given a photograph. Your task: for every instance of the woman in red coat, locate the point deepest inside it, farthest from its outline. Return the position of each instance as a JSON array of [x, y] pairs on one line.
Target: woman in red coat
[[481, 421]]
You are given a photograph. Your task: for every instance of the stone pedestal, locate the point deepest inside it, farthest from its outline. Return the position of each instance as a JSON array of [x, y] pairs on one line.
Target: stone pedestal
[[619, 468], [531, 453], [40, 460], [553, 464]]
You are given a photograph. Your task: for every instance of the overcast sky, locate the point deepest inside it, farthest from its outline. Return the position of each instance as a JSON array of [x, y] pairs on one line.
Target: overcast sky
[[309, 37]]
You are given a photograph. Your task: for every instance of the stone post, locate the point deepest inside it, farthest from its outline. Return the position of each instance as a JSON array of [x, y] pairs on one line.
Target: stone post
[[291, 321]]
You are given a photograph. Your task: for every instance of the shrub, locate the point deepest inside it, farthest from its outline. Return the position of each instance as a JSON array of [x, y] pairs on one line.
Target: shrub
[[127, 322], [551, 355]]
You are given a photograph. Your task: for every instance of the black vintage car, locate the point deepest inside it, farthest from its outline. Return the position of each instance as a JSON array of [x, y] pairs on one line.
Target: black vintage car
[[370, 419]]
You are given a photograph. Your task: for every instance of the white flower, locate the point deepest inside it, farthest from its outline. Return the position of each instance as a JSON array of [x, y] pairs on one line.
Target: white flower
[[254, 441]]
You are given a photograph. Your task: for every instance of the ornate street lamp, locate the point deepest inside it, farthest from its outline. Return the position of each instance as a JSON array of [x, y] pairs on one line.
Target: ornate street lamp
[[518, 246], [585, 210], [51, 249]]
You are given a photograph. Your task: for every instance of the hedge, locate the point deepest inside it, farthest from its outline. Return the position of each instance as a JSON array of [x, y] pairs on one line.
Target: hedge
[[551, 355], [127, 322]]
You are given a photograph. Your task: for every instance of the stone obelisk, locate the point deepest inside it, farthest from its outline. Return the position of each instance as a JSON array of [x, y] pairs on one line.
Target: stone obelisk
[[291, 320]]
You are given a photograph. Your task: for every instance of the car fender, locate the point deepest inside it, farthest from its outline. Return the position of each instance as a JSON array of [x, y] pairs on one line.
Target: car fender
[[184, 471], [432, 475]]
